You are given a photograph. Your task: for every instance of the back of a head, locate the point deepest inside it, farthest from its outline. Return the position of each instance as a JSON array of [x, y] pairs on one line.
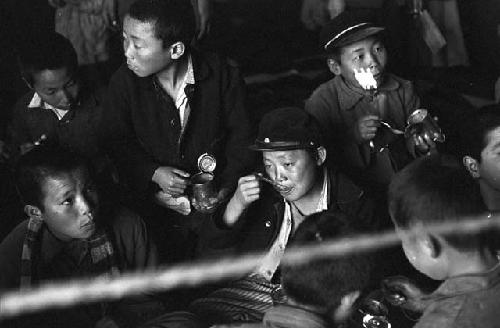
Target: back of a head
[[324, 282], [475, 128], [47, 51], [432, 190], [173, 20], [34, 167]]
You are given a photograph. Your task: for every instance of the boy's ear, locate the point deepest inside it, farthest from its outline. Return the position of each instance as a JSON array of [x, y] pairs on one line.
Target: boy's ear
[[321, 155], [472, 166], [430, 245], [334, 66], [177, 50], [33, 211]]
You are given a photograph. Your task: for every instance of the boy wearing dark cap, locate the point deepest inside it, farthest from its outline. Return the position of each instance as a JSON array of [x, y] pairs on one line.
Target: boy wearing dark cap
[[263, 216], [352, 107]]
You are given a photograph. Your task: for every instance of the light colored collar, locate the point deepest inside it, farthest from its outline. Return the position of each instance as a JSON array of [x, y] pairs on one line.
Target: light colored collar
[[37, 102]]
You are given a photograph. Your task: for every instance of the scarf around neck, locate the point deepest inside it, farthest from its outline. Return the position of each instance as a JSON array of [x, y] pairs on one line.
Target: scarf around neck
[[100, 248]]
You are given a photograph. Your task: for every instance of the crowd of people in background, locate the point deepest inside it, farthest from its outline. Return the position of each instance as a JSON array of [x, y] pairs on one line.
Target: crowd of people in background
[[101, 172]]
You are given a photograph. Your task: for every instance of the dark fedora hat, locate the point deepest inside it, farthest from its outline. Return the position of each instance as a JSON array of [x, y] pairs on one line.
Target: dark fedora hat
[[345, 29], [287, 128]]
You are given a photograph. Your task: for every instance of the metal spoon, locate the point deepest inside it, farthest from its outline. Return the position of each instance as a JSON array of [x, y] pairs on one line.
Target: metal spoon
[[275, 184], [393, 130], [261, 177]]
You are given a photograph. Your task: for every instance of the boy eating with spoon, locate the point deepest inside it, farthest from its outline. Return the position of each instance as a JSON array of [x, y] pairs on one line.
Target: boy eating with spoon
[[360, 109]]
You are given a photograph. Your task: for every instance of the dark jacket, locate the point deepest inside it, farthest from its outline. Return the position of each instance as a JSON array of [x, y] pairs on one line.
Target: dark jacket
[[142, 125], [77, 130], [338, 107], [133, 252], [260, 223]]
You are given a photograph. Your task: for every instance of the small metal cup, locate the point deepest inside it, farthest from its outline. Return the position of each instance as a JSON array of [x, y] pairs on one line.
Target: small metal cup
[[420, 122], [204, 194]]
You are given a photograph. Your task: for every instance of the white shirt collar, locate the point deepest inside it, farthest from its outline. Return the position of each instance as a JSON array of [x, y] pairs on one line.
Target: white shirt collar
[[37, 102]]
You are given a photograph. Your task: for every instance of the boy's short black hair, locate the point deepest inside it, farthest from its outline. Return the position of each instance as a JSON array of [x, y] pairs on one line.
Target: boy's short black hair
[[47, 51], [436, 189], [324, 282], [476, 126], [40, 163], [173, 20]]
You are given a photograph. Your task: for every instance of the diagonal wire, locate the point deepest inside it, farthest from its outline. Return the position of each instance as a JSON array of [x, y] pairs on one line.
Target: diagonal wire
[[64, 294]]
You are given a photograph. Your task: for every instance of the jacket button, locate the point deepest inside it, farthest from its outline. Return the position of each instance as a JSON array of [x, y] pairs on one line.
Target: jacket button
[[172, 122], [268, 224]]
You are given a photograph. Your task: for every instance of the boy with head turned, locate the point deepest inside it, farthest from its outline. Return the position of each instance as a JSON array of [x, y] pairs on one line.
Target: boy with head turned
[[351, 106], [70, 234], [169, 105], [437, 189]]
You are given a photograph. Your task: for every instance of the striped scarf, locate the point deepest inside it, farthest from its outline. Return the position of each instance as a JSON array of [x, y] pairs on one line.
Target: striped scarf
[[101, 252]]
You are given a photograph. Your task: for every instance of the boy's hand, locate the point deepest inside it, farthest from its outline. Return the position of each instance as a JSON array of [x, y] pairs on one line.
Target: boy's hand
[[179, 204], [420, 144], [26, 147], [401, 291], [171, 180], [247, 192], [366, 128]]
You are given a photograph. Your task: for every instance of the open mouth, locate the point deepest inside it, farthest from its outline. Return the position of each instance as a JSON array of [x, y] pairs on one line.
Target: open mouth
[[283, 190]]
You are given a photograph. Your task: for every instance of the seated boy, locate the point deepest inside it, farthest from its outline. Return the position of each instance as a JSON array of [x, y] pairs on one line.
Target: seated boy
[[172, 103], [350, 111], [432, 190], [60, 109], [169, 105], [267, 208], [68, 235]]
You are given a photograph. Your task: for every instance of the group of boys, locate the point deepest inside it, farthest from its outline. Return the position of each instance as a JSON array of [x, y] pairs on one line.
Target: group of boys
[[172, 105]]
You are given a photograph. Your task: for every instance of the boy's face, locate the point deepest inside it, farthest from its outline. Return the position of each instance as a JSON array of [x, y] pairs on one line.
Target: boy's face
[[489, 166], [294, 170], [368, 53], [70, 204], [145, 53], [58, 87], [419, 252]]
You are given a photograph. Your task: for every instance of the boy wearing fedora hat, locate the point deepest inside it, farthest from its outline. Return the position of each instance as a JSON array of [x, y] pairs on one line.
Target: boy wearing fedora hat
[[359, 105], [266, 208]]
